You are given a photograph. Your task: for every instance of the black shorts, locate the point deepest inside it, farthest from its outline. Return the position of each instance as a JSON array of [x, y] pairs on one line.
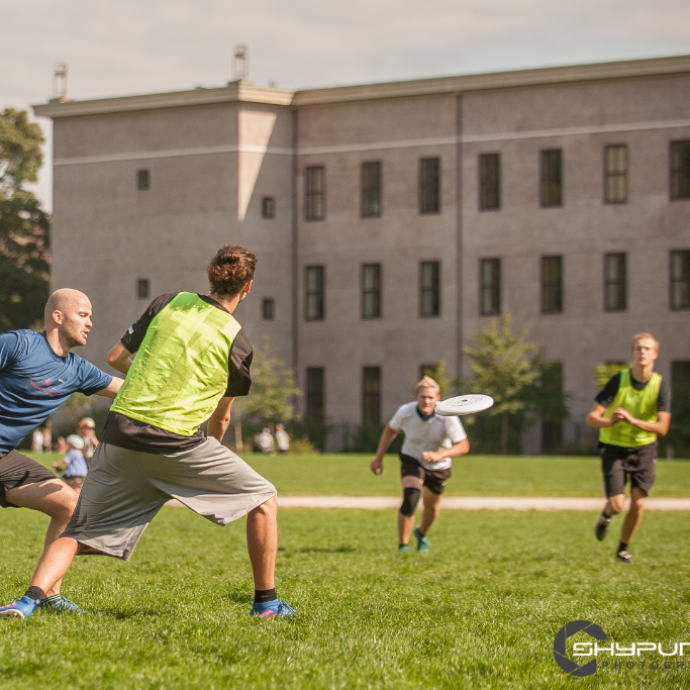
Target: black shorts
[[16, 470], [638, 464], [434, 481]]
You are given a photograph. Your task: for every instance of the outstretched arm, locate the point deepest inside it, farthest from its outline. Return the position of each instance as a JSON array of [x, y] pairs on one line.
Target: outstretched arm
[[386, 439], [220, 419], [112, 389]]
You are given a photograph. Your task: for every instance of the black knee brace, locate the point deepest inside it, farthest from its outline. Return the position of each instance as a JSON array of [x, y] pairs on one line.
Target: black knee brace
[[410, 500]]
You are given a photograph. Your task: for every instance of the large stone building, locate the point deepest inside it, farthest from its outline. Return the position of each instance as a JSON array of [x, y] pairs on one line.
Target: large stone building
[[392, 221]]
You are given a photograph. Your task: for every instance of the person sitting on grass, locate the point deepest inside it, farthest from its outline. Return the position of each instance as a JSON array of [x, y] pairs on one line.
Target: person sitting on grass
[[73, 466], [431, 441]]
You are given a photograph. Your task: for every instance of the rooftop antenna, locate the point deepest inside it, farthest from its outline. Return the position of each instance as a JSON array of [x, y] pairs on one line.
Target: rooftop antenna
[[240, 68], [60, 82]]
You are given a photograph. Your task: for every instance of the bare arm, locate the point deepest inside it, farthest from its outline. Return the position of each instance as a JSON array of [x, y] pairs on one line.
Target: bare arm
[[663, 421], [112, 389], [459, 448], [219, 420], [386, 439], [596, 420], [119, 358]]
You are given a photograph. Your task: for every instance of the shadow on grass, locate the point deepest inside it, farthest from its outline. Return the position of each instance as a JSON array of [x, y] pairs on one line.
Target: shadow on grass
[[337, 549]]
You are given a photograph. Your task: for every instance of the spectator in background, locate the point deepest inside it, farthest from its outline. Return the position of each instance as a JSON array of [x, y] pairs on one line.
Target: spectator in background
[[47, 439], [87, 430], [266, 443], [282, 439], [73, 466], [37, 441], [60, 445]]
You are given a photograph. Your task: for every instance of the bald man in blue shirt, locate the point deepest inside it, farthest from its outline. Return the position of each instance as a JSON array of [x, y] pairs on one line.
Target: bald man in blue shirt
[[38, 373]]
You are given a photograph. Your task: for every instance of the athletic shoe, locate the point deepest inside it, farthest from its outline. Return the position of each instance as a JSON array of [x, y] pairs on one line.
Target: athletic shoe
[[272, 609], [58, 603], [624, 557], [602, 527], [403, 548], [422, 542], [21, 608]]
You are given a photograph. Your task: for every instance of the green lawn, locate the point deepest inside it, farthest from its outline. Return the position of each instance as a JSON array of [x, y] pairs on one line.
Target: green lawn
[[480, 611], [473, 475]]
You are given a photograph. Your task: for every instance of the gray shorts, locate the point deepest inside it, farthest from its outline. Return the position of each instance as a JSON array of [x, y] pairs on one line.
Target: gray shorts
[[126, 488]]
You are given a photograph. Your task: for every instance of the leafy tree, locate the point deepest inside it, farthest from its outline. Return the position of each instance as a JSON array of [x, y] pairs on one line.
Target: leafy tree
[[438, 373], [515, 375], [603, 372], [271, 397], [24, 226]]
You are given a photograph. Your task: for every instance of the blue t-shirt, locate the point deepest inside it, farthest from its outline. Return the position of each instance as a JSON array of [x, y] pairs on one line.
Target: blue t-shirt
[[76, 465], [34, 382]]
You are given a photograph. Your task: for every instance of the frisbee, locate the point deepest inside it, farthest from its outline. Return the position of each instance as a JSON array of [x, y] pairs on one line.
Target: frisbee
[[464, 404]]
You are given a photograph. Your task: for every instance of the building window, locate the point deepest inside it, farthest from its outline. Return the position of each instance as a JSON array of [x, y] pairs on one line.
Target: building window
[[615, 282], [371, 396], [143, 288], [551, 178], [371, 291], [551, 284], [616, 174], [489, 181], [552, 421], [315, 193], [315, 394], [429, 185], [143, 179], [430, 288], [680, 170], [371, 190], [680, 280], [490, 286], [268, 307], [315, 282], [268, 207]]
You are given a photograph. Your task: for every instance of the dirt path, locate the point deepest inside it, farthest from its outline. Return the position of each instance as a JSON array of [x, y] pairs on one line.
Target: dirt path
[[470, 503], [474, 503]]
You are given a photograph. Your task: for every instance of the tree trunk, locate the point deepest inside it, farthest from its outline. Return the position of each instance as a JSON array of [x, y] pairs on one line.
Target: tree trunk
[[239, 447], [504, 433]]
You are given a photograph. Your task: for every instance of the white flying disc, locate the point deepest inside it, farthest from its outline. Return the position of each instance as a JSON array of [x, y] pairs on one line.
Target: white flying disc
[[464, 404]]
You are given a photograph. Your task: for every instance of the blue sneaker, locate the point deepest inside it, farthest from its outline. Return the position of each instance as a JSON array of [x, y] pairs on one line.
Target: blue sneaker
[[21, 608], [58, 603], [403, 548], [272, 609], [422, 542]]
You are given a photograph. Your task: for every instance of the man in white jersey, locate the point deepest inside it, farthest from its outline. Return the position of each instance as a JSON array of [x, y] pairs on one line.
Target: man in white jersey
[[431, 441]]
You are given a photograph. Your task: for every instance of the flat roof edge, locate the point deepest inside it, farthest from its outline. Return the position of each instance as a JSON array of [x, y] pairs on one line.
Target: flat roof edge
[[233, 93], [239, 92]]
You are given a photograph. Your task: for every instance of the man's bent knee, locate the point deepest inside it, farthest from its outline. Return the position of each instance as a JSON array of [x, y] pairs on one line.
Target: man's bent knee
[[410, 501], [268, 507], [616, 503]]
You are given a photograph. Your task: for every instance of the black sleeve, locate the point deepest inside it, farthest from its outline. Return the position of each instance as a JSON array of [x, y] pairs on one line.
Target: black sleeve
[[608, 393], [240, 361], [663, 402], [135, 334]]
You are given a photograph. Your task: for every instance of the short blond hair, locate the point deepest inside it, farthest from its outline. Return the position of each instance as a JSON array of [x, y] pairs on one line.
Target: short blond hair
[[427, 382], [644, 336]]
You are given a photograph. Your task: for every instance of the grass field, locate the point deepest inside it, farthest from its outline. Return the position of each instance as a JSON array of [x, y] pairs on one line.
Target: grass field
[[480, 611], [473, 475]]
